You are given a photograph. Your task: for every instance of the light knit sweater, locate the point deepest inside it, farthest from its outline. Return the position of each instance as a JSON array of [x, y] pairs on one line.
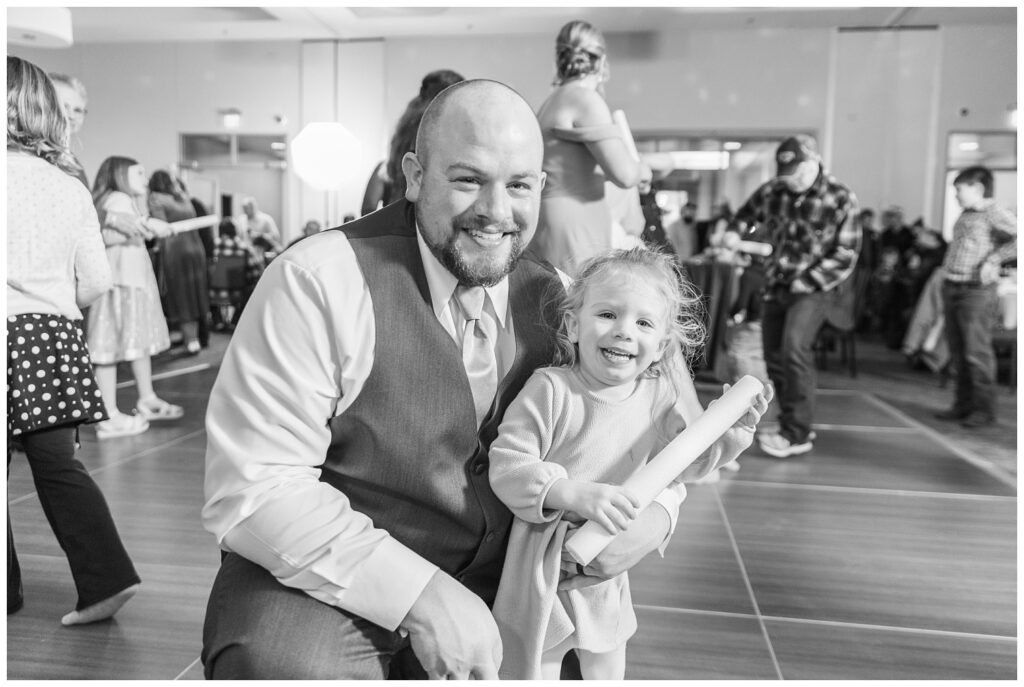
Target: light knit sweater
[[556, 428], [55, 258]]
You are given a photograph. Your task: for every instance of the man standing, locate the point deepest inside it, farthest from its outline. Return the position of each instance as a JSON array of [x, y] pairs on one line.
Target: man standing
[[349, 425], [984, 236], [258, 227], [807, 216]]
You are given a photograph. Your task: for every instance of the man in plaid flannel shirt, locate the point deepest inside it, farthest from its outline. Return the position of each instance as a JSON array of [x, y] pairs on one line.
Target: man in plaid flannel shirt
[[808, 218]]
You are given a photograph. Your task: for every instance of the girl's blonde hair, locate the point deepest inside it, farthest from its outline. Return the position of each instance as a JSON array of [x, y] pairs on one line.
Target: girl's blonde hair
[[36, 123], [685, 325]]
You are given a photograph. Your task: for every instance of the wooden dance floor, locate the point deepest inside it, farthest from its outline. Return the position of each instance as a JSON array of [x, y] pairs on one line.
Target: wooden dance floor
[[884, 554]]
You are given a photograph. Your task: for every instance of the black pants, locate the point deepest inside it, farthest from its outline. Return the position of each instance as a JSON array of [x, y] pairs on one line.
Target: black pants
[[78, 515]]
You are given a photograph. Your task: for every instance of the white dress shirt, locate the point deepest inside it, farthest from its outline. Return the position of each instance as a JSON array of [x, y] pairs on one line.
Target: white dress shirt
[[300, 355]]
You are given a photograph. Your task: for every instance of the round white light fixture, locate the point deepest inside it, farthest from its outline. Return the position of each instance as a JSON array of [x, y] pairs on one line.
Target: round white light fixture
[[326, 155], [39, 27]]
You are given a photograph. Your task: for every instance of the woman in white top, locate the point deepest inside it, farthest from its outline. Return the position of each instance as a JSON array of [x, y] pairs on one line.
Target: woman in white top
[[55, 266]]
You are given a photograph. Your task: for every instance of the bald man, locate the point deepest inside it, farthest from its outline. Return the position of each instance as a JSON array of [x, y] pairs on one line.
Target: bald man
[[346, 466]]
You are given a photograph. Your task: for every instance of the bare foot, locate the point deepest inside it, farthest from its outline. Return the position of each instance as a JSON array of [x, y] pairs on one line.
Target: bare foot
[[100, 610]]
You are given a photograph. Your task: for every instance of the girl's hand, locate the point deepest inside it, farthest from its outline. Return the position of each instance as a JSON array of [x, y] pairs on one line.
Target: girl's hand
[[128, 225], [158, 228], [748, 422], [610, 506]]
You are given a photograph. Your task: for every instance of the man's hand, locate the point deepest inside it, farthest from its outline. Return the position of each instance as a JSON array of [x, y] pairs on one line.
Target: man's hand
[[453, 633], [989, 273], [800, 286], [645, 534]]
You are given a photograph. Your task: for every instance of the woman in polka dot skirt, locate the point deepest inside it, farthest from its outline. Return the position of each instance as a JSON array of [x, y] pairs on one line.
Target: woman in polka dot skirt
[[56, 265]]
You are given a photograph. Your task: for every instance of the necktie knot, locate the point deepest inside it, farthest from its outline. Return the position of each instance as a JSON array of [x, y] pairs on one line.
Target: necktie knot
[[470, 300]]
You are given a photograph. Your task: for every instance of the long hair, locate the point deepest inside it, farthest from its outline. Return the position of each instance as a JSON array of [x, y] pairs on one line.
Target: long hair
[[36, 123], [685, 330], [579, 51], [404, 138], [162, 182], [112, 176]]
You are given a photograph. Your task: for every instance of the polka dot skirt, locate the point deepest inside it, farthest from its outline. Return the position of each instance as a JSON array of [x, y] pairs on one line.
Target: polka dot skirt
[[49, 376]]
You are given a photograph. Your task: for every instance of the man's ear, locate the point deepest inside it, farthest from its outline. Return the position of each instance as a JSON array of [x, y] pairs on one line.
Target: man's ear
[[572, 327], [413, 171]]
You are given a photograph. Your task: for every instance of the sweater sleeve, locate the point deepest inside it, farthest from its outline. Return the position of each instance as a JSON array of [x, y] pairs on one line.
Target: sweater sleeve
[[92, 269], [519, 475]]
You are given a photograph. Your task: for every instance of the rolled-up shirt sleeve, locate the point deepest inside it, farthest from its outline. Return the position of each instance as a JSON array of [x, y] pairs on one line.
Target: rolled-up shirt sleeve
[[300, 354]]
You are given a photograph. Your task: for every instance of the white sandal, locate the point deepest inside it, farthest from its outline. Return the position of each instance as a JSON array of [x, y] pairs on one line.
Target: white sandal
[[121, 425], [155, 409]]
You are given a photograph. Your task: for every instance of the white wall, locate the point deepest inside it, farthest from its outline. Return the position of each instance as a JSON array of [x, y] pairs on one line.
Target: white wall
[[754, 81]]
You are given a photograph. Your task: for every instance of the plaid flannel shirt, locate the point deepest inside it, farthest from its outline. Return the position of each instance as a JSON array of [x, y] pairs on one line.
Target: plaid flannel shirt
[[985, 233], [813, 235]]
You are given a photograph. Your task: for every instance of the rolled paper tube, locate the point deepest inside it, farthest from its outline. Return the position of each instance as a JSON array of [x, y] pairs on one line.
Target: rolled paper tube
[[193, 223], [665, 467], [755, 248], [619, 117]]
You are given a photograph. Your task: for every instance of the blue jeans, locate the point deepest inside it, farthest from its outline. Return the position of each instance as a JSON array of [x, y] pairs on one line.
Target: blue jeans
[[789, 326], [970, 311], [256, 628]]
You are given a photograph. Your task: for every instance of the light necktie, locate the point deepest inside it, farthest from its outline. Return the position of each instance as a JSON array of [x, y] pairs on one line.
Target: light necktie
[[477, 350]]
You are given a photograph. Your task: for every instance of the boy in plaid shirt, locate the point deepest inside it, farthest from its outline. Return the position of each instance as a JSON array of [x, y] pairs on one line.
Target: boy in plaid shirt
[[984, 236]]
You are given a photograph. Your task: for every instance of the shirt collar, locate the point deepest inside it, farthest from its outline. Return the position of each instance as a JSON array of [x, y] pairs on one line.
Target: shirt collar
[[441, 283]]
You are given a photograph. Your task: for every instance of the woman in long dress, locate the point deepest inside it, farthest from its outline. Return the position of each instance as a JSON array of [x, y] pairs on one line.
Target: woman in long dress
[[583, 147]]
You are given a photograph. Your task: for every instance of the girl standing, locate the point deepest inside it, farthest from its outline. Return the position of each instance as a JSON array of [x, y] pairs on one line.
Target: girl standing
[[627, 323], [127, 323], [56, 266]]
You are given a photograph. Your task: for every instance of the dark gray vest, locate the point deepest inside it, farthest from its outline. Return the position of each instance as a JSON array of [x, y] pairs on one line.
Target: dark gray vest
[[407, 452]]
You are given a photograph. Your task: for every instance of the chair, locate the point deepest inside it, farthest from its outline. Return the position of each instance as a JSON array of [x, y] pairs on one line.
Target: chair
[[228, 283]]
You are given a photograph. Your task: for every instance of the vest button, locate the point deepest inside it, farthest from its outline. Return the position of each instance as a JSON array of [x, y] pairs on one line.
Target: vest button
[[480, 468], [489, 537]]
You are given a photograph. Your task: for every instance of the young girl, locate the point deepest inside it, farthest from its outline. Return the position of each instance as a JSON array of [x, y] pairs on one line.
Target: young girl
[[127, 323], [615, 398], [56, 266]]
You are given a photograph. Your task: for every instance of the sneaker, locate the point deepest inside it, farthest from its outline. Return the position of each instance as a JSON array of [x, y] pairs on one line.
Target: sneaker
[[121, 425], [780, 447]]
